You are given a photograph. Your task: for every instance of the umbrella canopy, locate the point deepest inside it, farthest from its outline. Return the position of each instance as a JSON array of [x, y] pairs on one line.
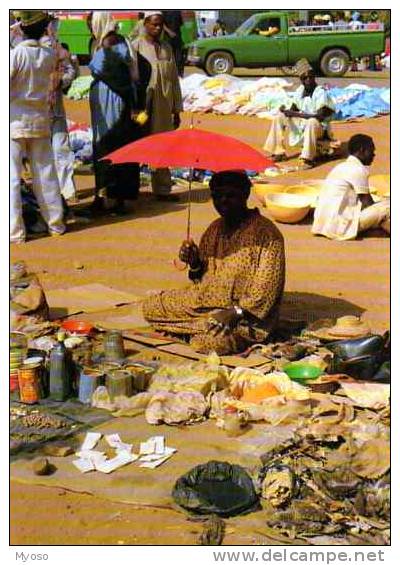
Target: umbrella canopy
[[194, 148]]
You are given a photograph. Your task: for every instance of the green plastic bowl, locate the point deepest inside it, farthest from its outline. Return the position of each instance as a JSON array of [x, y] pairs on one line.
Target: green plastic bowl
[[302, 371]]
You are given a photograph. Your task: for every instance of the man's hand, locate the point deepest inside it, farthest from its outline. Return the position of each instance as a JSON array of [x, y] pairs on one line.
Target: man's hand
[[189, 254], [223, 321], [177, 120]]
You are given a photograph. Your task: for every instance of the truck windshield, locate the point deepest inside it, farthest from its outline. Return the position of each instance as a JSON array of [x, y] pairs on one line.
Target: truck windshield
[[246, 26]]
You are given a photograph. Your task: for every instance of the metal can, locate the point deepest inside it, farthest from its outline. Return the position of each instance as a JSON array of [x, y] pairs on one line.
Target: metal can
[[29, 384], [114, 346]]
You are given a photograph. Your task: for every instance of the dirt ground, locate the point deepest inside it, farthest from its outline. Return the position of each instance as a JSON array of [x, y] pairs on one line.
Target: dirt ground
[[136, 254]]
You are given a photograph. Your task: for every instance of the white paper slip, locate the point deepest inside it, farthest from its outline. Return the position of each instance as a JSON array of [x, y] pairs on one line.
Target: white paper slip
[[113, 440], [84, 465], [155, 444], [90, 441], [123, 447], [94, 456], [168, 451], [120, 460], [116, 442], [154, 464], [159, 444]]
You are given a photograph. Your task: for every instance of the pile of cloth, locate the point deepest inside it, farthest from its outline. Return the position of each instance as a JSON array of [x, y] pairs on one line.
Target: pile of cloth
[[263, 97], [81, 141], [227, 95]]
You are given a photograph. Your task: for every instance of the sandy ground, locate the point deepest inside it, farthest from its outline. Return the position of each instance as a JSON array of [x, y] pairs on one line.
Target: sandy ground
[[136, 254]]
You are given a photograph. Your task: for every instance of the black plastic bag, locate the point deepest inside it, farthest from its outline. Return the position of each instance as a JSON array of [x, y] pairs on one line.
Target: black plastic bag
[[216, 487]]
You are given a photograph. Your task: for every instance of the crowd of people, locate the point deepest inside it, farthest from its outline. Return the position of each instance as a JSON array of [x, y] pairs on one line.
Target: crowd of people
[[135, 92], [237, 271]]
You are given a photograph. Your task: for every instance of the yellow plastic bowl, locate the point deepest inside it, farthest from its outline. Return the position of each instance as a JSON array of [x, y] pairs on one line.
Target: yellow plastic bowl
[[380, 185], [305, 190], [260, 191], [288, 208]]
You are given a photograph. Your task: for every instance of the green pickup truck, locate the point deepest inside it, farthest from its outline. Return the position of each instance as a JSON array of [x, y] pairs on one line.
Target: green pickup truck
[[267, 40], [74, 29]]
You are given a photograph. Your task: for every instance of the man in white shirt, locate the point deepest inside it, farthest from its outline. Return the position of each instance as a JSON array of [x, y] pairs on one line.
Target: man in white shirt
[[306, 121], [345, 206], [31, 66]]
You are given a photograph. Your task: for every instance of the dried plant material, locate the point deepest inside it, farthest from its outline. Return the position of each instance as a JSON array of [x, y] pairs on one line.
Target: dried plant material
[[278, 485], [307, 518], [372, 459], [368, 395], [328, 412], [341, 483], [213, 531], [277, 410], [374, 501]]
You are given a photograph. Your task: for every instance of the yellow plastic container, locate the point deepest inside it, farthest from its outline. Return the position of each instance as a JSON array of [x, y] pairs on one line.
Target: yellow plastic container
[[288, 208], [305, 190], [380, 185], [261, 190]]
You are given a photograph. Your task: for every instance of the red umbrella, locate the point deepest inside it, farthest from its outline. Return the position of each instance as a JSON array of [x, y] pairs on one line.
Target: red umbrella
[[193, 148]]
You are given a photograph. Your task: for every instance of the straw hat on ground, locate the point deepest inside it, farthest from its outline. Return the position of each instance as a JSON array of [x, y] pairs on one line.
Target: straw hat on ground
[[346, 327]]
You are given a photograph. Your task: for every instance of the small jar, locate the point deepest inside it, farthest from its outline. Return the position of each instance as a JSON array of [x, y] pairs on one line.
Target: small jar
[[29, 384], [232, 422]]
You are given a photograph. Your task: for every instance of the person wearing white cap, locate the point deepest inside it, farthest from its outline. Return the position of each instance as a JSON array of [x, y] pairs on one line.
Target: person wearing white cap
[[306, 121], [31, 68], [164, 98]]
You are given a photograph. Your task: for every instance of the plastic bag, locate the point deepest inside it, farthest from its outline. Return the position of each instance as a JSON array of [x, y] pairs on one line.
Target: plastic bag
[[216, 487]]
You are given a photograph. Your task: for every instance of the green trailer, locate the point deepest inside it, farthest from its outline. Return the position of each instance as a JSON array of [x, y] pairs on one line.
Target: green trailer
[[328, 49]]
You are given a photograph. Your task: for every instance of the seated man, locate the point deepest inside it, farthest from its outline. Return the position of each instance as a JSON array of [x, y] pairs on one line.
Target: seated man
[[307, 120], [345, 207], [238, 274]]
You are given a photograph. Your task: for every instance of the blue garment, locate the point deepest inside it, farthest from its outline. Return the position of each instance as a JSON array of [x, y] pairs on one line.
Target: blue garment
[[113, 95], [355, 103]]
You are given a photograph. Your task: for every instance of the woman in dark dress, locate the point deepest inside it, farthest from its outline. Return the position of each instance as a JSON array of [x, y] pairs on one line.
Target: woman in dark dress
[[117, 94]]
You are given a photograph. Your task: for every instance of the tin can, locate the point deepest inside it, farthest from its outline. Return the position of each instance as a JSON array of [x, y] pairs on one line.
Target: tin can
[[89, 380], [119, 383], [113, 346], [29, 384]]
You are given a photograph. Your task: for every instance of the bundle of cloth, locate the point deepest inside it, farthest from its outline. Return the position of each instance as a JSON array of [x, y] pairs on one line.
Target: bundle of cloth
[[263, 97]]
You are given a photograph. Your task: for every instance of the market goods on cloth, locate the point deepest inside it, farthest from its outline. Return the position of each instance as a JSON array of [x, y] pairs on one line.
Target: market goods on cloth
[[233, 95]]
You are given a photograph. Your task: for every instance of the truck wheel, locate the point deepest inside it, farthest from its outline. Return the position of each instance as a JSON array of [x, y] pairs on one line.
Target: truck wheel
[[219, 62], [335, 63]]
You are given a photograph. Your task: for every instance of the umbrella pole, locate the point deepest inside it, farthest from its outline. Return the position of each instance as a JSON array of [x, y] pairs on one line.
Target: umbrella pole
[[191, 170], [188, 227]]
